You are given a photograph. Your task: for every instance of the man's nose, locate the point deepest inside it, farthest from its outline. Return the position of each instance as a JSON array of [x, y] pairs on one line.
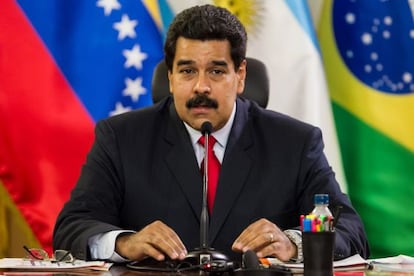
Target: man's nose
[[203, 84]]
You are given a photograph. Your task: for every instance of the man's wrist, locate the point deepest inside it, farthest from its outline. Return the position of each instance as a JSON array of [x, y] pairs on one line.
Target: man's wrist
[[121, 242], [295, 236]]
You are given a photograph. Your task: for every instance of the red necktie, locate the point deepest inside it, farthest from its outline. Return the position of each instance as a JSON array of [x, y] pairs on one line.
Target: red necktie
[[213, 170]]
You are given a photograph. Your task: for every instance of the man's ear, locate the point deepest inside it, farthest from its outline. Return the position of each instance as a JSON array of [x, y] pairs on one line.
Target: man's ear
[[241, 74], [170, 80]]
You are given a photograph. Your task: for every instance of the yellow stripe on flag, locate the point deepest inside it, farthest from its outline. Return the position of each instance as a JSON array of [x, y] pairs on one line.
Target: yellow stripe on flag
[[14, 230], [154, 10]]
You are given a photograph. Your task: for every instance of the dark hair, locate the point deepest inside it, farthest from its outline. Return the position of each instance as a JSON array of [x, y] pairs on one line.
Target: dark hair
[[207, 22]]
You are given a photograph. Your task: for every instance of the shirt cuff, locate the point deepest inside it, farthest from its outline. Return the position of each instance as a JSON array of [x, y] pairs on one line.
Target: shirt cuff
[[102, 246]]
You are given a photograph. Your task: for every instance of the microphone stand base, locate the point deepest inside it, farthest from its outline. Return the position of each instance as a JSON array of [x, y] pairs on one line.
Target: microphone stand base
[[205, 255]]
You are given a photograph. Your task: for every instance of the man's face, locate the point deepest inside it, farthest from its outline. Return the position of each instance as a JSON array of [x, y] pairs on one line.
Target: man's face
[[203, 81]]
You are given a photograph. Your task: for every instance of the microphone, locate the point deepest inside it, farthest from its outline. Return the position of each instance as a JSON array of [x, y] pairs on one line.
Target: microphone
[[251, 267], [206, 129], [205, 254], [250, 260]]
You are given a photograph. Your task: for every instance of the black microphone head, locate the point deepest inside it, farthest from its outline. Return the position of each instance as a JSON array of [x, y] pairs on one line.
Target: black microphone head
[[206, 127], [250, 259]]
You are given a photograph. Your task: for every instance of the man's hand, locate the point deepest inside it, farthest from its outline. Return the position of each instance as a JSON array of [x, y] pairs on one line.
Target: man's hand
[[266, 239], [156, 240]]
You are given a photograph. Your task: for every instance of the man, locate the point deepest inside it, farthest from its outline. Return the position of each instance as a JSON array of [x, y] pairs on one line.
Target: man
[[140, 192]]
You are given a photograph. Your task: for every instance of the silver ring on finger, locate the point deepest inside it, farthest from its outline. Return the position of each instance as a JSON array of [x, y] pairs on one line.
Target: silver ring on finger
[[271, 238]]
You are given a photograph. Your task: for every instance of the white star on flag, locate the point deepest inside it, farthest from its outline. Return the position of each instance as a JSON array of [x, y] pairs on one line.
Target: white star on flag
[[134, 57], [134, 88], [126, 27], [119, 109], [108, 5]]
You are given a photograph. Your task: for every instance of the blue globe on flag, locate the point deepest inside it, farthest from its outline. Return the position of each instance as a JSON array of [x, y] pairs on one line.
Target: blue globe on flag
[[368, 34]]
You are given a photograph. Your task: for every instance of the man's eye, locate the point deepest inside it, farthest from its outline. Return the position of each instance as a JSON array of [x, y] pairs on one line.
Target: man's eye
[[186, 71], [217, 72]]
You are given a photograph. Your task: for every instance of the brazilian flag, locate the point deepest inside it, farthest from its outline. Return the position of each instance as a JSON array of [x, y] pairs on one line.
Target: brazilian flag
[[368, 52]]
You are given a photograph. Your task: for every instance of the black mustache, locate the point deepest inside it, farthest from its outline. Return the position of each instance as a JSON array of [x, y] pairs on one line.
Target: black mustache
[[201, 100]]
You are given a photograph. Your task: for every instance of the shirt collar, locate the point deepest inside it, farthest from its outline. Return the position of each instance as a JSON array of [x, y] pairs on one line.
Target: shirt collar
[[221, 135]]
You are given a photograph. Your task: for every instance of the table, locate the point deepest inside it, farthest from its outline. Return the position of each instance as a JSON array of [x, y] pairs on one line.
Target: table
[[123, 271]]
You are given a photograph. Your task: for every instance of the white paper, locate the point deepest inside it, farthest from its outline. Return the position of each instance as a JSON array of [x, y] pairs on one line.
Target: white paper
[[400, 263], [353, 262], [400, 259], [19, 263], [396, 263]]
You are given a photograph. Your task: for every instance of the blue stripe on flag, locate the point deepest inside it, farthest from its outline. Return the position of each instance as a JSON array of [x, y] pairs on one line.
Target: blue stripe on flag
[[167, 16], [87, 48], [300, 10]]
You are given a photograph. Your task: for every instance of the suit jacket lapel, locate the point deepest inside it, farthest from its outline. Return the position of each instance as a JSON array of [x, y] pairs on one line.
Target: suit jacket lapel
[[234, 171], [182, 161]]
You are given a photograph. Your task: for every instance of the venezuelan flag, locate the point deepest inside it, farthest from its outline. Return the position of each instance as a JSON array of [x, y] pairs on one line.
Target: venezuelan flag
[[63, 65], [368, 51]]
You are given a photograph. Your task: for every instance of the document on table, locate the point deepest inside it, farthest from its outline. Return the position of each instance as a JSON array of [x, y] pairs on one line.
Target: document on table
[[355, 262], [19, 263], [400, 263]]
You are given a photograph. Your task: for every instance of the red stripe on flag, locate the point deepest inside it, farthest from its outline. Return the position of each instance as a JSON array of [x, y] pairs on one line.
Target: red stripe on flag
[[45, 132]]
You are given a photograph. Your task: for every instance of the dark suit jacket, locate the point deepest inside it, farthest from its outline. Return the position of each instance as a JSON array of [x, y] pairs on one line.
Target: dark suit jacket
[[142, 168]]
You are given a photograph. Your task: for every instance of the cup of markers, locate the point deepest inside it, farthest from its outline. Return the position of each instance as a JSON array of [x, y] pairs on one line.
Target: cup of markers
[[313, 223], [318, 240]]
